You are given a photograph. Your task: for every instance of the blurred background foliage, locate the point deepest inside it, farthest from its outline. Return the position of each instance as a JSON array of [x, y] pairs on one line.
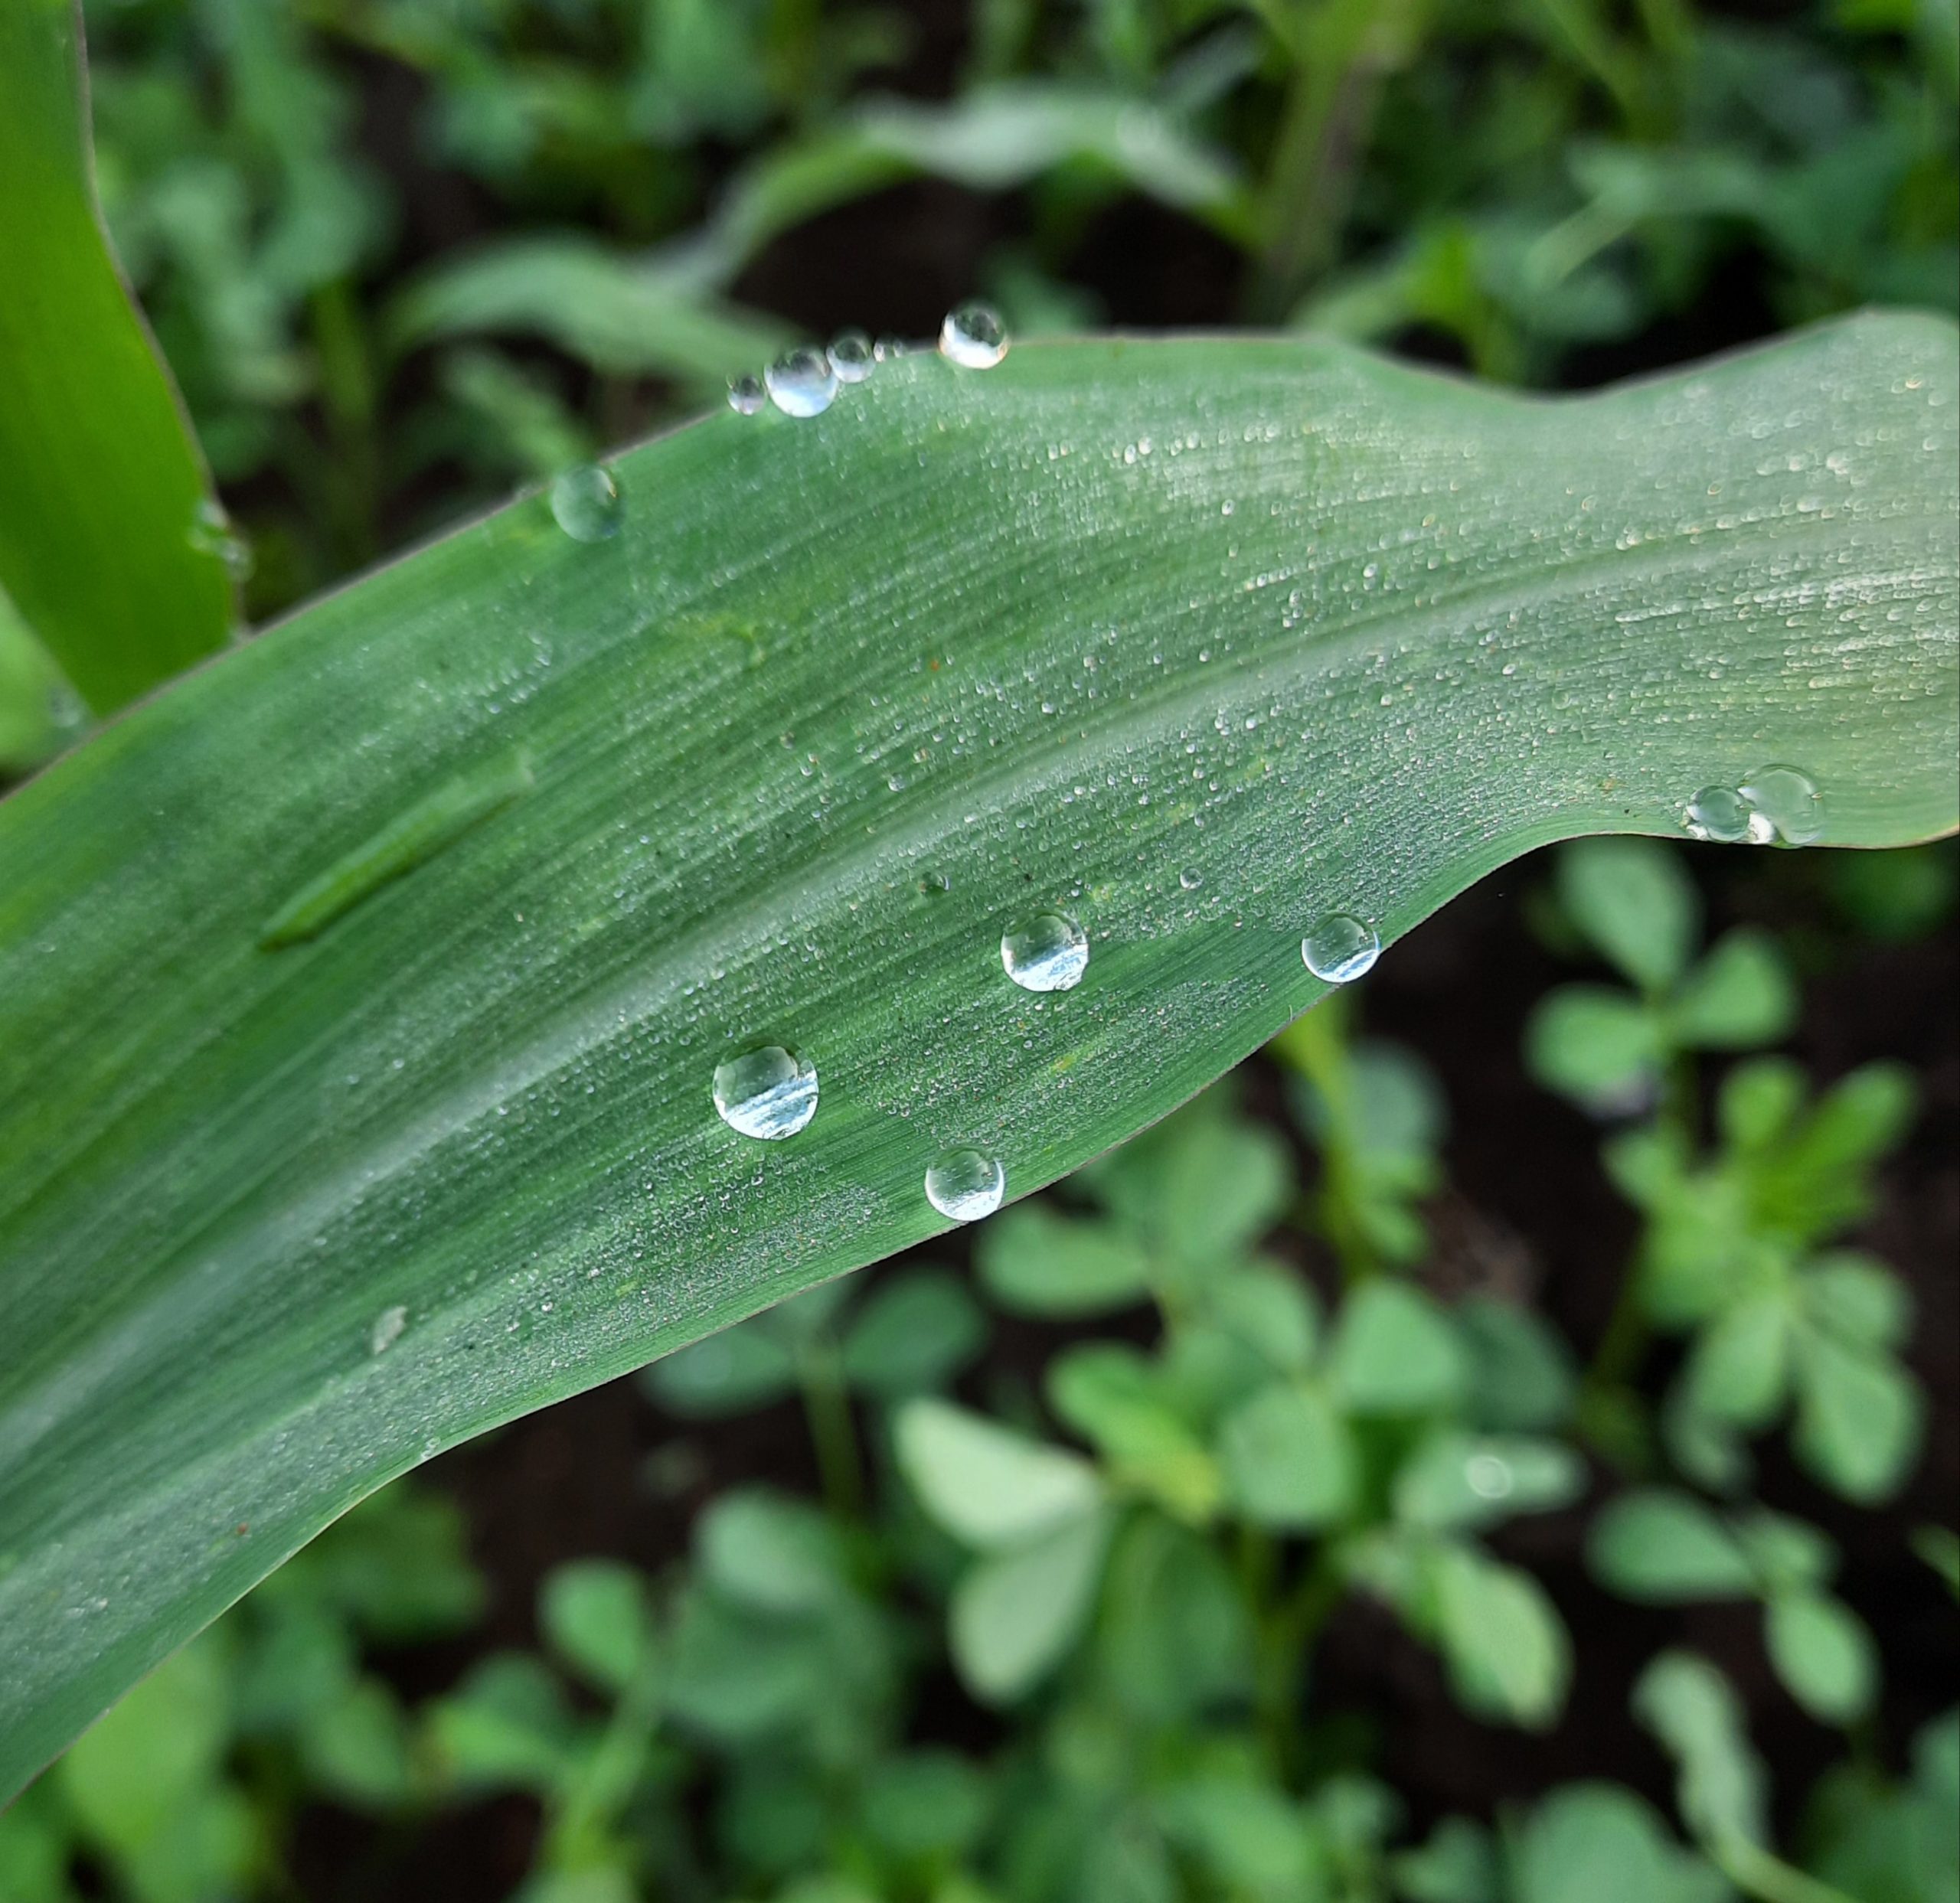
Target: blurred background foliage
[[402, 254]]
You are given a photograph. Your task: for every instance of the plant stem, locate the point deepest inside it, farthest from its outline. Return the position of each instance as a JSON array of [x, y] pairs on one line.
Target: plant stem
[[1341, 51], [833, 1433], [1756, 1872], [1290, 1631]]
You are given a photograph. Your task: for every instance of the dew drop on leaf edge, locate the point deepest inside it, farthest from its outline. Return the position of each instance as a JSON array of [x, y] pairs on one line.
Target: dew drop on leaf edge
[[746, 395], [1788, 798], [1341, 948], [973, 337], [1046, 952], [769, 1092], [801, 382], [212, 532], [851, 356], [585, 502], [1728, 817], [965, 1185]]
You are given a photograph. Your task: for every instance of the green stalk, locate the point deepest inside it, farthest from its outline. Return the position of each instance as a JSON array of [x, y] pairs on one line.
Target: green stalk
[[833, 1432], [1341, 51], [1758, 1873]]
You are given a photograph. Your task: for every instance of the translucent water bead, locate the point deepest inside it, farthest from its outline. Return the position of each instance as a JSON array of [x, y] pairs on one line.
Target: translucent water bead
[[769, 1092], [973, 337], [1340, 949], [585, 503], [1788, 798], [801, 382], [965, 1185], [850, 356], [1046, 953]]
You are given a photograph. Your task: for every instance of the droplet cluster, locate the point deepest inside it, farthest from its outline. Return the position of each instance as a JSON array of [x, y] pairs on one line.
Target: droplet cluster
[[805, 381], [1776, 805]]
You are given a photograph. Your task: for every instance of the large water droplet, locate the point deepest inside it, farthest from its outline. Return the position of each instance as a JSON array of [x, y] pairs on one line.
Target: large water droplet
[[387, 1330], [585, 501], [1789, 799], [973, 337], [1727, 817], [212, 532], [1047, 952], [1190, 878], [769, 1092], [801, 382], [1340, 949], [965, 1185], [851, 357], [746, 395]]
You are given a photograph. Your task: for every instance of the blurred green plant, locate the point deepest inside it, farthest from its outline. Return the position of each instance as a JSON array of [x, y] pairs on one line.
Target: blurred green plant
[[331, 211], [1732, 1251]]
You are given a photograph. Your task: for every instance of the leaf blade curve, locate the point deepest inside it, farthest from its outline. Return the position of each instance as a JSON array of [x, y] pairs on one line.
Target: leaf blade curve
[[842, 701]]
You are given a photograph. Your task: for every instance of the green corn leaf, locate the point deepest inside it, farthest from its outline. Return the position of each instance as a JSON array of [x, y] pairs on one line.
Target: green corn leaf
[[842, 702], [104, 547]]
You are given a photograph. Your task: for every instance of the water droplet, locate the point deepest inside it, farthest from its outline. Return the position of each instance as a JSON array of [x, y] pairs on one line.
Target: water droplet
[[965, 1185], [1047, 952], [935, 885], [768, 1092], [1190, 878], [801, 382], [888, 349], [1789, 799], [746, 395], [973, 337], [1340, 949], [1727, 817], [585, 501], [212, 532], [851, 357], [387, 1330], [1489, 1476]]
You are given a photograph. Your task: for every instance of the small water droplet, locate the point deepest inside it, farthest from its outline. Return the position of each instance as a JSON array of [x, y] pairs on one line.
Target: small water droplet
[[768, 1092], [585, 503], [1340, 949], [850, 356], [1489, 1476], [1727, 817], [746, 395], [935, 884], [1789, 799], [1190, 878], [888, 349], [801, 382], [973, 337], [965, 1185], [212, 532], [1047, 952], [387, 1330]]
